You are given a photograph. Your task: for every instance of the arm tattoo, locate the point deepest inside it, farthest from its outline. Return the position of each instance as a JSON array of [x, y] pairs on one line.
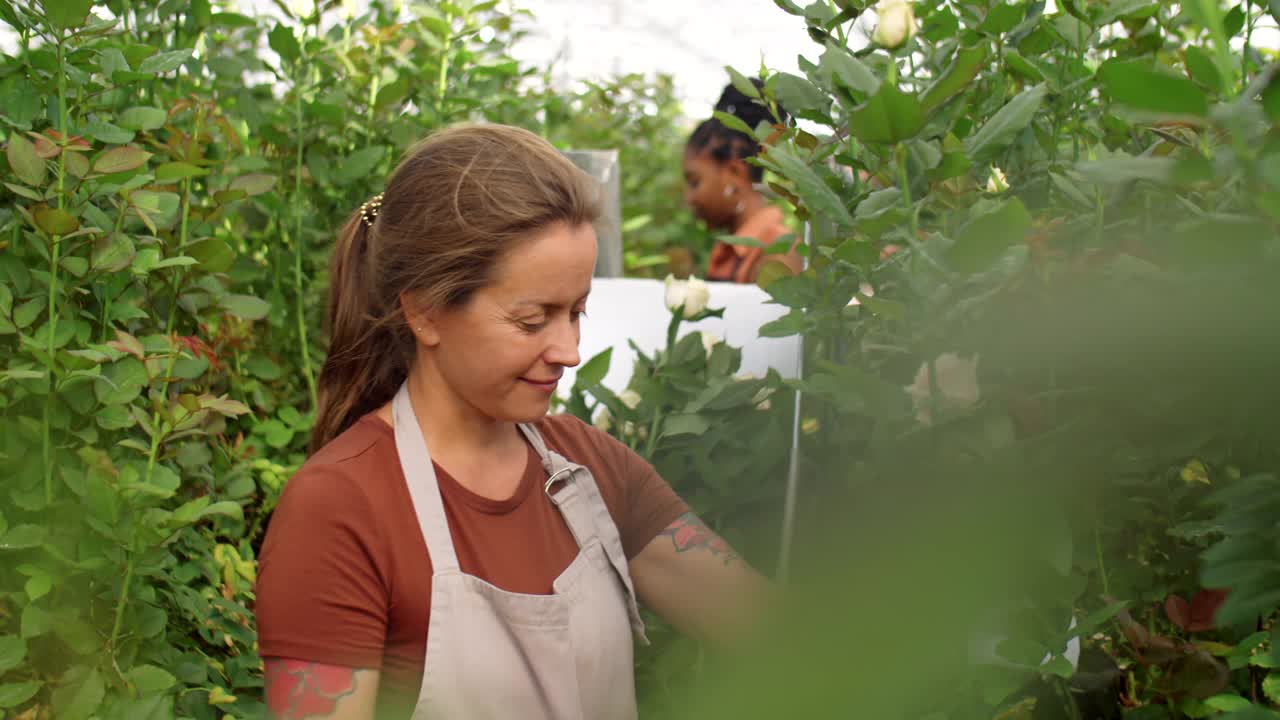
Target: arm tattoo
[[297, 689], [688, 532]]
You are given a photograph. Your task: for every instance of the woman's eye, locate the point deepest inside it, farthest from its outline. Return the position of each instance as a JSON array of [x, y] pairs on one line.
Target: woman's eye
[[532, 325]]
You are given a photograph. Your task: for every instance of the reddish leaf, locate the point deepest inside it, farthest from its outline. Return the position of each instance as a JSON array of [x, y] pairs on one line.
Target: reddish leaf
[[120, 159], [1204, 606], [44, 146], [1178, 611], [1197, 615], [127, 343], [24, 161]]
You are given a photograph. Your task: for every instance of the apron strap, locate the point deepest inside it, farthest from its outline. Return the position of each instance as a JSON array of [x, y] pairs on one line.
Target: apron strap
[[424, 490], [587, 515]]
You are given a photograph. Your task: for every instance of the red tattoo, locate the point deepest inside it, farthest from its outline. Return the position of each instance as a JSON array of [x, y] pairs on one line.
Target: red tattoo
[[297, 689], [688, 532]]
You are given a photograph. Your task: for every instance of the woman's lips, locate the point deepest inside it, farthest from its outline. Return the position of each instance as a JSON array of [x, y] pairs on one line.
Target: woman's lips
[[544, 385]]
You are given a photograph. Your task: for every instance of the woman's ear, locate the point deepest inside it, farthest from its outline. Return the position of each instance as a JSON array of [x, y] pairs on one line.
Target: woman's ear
[[421, 320], [738, 173]]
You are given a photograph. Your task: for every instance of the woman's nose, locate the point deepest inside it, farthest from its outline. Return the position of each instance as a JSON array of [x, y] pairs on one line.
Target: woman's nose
[[563, 349]]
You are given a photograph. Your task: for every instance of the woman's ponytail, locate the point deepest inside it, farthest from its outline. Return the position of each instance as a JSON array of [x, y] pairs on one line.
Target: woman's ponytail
[[365, 364]]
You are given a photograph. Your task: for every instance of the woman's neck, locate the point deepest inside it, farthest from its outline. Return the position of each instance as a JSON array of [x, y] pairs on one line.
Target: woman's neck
[[452, 424], [753, 203]]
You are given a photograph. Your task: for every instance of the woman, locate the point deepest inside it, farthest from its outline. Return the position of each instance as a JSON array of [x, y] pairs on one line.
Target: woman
[[720, 186], [449, 550]]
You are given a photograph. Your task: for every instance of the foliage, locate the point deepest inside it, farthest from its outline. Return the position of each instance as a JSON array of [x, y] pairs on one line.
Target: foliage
[[172, 182], [642, 119], [720, 438], [1038, 240]]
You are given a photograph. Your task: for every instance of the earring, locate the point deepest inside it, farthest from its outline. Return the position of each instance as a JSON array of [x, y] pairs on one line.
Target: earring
[[737, 209], [729, 190]]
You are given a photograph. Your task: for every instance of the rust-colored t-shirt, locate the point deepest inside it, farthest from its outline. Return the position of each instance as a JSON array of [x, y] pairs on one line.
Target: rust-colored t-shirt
[[740, 263], [344, 576]]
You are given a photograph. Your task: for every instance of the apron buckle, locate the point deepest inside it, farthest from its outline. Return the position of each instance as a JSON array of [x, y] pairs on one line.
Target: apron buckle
[[555, 477]]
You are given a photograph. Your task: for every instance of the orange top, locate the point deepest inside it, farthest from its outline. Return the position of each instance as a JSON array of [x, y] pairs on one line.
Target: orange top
[[741, 264], [344, 575]]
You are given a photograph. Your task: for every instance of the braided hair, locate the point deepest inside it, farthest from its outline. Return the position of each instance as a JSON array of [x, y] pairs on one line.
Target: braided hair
[[724, 143]]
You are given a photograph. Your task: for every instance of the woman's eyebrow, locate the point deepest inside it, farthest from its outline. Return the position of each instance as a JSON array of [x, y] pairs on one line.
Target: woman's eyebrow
[[540, 304]]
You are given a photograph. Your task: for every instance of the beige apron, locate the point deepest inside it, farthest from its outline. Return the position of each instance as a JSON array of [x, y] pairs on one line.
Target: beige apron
[[498, 654]]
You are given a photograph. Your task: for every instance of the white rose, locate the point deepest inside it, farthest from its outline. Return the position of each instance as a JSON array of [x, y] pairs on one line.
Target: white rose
[[709, 342], [692, 294], [630, 398], [864, 288], [997, 182], [603, 420], [896, 23], [957, 385]]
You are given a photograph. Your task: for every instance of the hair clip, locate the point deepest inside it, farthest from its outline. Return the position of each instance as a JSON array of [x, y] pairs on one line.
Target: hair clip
[[369, 210]]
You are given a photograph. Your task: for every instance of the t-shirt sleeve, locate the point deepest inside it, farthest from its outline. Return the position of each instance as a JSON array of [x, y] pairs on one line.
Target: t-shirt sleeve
[[646, 504], [320, 595]]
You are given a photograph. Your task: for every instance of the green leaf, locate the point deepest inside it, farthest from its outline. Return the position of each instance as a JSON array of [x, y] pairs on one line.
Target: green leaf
[[848, 70], [14, 694], [245, 307], [22, 537], [81, 704], [1127, 169], [1271, 95], [801, 97], [358, 165], [1233, 23], [253, 184], [1142, 86], [1002, 18], [984, 239], [1134, 9], [224, 406], [213, 254], [121, 381], [283, 42], [13, 650], [744, 86], [25, 192], [889, 116], [149, 680], [171, 171], [24, 161], [232, 20], [164, 62], [108, 133], [963, 69], [953, 164], [1228, 703], [594, 370], [112, 253], [55, 221], [38, 586], [142, 118], [115, 417], [121, 159], [1203, 69], [67, 14], [812, 190], [275, 433], [684, 424], [1059, 666], [1019, 64], [1271, 687], [225, 508], [733, 122], [1004, 126]]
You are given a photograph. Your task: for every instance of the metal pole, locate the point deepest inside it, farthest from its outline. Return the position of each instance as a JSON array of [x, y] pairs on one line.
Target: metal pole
[[793, 466]]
